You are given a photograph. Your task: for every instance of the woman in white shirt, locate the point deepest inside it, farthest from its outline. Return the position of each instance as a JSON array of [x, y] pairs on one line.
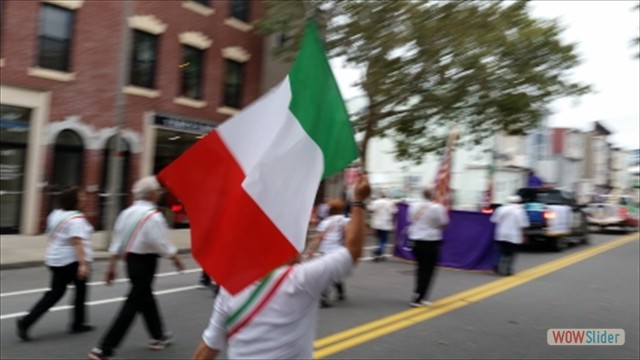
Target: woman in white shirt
[[330, 238], [68, 257]]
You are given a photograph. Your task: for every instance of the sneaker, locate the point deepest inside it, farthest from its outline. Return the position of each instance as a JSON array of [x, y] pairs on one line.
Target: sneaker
[[421, 303], [159, 344], [97, 354], [21, 330], [81, 329]]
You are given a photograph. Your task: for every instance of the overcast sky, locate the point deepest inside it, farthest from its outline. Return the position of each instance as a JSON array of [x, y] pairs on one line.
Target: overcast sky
[[603, 31]]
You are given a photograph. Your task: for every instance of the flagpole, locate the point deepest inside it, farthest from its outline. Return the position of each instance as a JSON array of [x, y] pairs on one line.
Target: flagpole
[[116, 163]]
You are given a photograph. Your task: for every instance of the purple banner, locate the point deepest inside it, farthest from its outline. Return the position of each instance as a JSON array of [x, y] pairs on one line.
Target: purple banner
[[467, 240]]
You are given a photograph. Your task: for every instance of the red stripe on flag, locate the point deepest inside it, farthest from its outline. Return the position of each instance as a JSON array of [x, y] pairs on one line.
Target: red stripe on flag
[[231, 237], [442, 193]]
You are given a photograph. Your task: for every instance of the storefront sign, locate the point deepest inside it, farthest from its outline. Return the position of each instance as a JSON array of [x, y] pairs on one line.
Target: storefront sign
[[179, 124]]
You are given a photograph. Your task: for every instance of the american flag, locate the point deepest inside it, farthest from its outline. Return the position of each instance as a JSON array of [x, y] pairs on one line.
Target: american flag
[[442, 189], [488, 195]]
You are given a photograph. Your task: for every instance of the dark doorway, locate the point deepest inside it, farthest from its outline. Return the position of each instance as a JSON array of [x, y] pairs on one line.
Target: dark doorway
[[68, 155]]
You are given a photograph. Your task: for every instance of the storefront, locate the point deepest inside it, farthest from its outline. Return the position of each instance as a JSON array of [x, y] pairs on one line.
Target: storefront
[[173, 136], [14, 130], [23, 115]]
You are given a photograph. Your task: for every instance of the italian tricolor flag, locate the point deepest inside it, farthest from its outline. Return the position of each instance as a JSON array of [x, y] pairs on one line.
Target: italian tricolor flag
[[249, 186]]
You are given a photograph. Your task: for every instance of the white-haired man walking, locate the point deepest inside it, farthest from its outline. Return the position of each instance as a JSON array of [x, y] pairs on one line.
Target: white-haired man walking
[[510, 221], [427, 218], [140, 236]]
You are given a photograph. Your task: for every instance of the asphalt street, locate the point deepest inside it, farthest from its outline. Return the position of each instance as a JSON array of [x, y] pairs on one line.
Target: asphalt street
[[475, 314]]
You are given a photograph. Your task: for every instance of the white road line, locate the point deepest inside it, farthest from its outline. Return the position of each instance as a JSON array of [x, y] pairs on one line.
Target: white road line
[[95, 283], [105, 301], [170, 273]]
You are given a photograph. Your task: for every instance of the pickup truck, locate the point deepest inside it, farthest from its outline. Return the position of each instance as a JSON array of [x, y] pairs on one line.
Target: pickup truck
[[555, 219]]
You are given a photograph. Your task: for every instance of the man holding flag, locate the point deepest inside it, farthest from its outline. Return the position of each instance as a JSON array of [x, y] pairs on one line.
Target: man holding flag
[[276, 318], [259, 173]]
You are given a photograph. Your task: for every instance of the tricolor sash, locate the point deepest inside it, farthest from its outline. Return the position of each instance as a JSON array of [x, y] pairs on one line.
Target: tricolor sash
[[63, 221], [260, 297], [417, 215], [127, 241]]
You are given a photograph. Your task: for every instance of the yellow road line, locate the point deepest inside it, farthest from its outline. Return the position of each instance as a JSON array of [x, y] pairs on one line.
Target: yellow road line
[[360, 334]]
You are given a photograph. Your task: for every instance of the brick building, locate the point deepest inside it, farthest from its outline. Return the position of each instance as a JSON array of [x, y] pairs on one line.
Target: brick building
[[186, 66]]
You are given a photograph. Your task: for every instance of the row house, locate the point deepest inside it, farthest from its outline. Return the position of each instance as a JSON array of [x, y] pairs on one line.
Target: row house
[[83, 81], [586, 163], [597, 154], [618, 170]]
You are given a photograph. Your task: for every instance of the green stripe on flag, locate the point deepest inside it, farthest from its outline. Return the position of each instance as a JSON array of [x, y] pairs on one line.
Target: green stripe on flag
[[317, 104]]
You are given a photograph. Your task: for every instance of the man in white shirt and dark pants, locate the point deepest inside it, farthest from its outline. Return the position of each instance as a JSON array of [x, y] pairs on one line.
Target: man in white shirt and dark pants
[[510, 220], [426, 221], [140, 237]]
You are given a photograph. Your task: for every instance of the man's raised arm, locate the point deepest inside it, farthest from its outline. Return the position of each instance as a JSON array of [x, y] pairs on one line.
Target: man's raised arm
[[355, 231]]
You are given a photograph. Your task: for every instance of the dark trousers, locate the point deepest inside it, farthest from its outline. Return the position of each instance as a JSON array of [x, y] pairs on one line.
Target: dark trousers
[[61, 276], [205, 279], [141, 270], [426, 254], [339, 286], [383, 238], [506, 256]]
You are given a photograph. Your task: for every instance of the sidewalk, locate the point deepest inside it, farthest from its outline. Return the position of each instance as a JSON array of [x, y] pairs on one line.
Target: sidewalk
[[19, 251]]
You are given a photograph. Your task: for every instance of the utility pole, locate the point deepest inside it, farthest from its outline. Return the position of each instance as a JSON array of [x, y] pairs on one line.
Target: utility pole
[[116, 159]]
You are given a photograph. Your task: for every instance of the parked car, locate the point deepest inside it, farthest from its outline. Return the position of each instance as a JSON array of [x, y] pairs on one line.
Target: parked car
[[601, 216], [556, 220]]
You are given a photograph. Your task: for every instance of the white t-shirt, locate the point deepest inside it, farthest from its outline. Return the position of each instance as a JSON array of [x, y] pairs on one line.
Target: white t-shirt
[[382, 211], [510, 219], [426, 219], [62, 226], [285, 328], [333, 229], [141, 229]]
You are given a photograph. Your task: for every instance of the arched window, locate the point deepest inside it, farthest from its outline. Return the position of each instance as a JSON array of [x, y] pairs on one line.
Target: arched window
[[68, 155], [123, 161]]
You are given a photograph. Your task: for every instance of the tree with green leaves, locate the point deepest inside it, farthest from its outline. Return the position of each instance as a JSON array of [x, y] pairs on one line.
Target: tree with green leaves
[[487, 66]]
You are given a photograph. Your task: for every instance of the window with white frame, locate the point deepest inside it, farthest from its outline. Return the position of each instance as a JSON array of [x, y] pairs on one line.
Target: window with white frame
[[240, 9], [233, 84], [55, 36], [191, 72], [144, 56]]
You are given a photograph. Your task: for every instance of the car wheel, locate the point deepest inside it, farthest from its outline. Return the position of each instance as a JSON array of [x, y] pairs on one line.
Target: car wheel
[[585, 232], [558, 244], [585, 238]]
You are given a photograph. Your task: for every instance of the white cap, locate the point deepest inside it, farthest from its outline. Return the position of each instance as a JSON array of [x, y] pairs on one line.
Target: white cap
[[514, 199]]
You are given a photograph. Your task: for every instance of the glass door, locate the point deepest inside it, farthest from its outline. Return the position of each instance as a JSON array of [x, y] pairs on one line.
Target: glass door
[[14, 130]]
